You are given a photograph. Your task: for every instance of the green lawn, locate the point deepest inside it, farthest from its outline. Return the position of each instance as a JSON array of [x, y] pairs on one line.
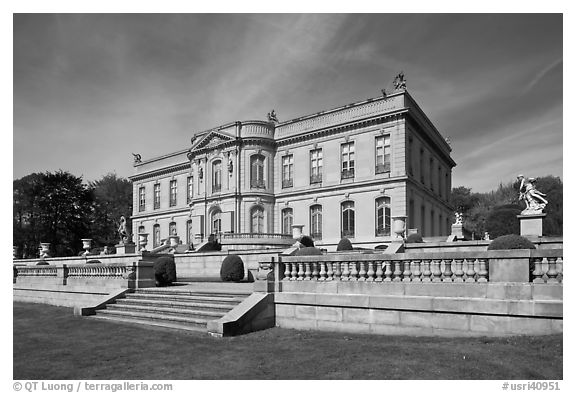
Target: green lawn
[[51, 343]]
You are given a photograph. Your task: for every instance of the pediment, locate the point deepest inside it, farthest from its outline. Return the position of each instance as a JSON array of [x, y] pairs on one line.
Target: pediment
[[211, 140]]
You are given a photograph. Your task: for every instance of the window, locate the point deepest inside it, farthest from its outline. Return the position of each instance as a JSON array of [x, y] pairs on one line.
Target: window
[[439, 181], [173, 192], [432, 222], [287, 220], [423, 219], [257, 171], [257, 220], [348, 219], [422, 166], [172, 229], [156, 236], [383, 216], [410, 156], [440, 220], [141, 199], [217, 221], [430, 174], [316, 166], [316, 222], [447, 185], [157, 196], [189, 189], [347, 160], [383, 154], [411, 221], [287, 170], [217, 176]]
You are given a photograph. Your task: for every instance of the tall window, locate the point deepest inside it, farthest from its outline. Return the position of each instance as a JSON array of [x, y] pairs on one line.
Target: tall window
[[383, 154], [287, 220], [431, 174], [383, 216], [217, 221], [257, 220], [257, 171], [411, 221], [141, 199], [173, 192], [217, 176], [421, 166], [348, 224], [347, 160], [287, 170], [440, 181], [440, 223], [410, 156], [432, 222], [156, 236], [189, 189], [316, 166], [157, 196], [423, 220], [316, 222]]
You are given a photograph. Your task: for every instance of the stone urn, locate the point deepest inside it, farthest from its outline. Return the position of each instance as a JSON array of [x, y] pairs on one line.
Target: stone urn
[[142, 240], [399, 227], [44, 250], [174, 240], [86, 245]]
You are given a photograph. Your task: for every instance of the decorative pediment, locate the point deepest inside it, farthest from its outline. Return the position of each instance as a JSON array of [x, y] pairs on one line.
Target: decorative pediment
[[210, 141]]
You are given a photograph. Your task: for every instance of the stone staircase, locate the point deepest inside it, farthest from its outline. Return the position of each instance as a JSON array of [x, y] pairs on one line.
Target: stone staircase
[[184, 309]]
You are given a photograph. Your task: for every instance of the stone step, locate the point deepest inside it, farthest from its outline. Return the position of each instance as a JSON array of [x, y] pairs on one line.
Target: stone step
[[198, 322], [192, 312], [196, 291], [187, 298], [152, 323], [178, 304]]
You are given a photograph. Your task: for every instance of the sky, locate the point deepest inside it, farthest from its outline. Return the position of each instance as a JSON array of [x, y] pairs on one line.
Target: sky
[[90, 89]]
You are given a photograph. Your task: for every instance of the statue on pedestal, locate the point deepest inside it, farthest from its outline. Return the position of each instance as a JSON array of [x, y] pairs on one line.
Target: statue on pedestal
[[533, 198], [458, 217], [122, 230], [272, 116], [400, 81]]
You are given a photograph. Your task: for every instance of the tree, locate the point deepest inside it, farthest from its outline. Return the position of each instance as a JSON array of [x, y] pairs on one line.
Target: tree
[[503, 220], [112, 199]]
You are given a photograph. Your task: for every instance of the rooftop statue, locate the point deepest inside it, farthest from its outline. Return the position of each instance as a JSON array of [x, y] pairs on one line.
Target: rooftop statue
[[400, 81], [272, 116], [137, 158], [533, 198]]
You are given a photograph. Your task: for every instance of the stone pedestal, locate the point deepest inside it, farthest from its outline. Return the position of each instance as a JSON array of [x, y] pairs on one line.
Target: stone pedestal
[[531, 224], [126, 248], [297, 231]]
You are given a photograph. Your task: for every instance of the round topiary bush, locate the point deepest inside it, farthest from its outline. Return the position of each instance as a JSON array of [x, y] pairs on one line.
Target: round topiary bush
[[42, 263], [308, 251], [344, 245], [306, 241], [164, 271], [232, 269], [511, 242], [414, 238]]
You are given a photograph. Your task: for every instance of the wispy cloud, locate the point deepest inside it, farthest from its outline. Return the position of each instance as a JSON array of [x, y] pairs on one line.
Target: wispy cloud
[[542, 74]]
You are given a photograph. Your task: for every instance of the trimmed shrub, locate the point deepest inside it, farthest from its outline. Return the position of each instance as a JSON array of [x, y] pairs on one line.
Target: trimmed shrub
[[306, 241], [344, 245], [414, 238], [511, 242], [212, 245], [232, 268], [164, 271], [94, 261], [308, 251], [42, 263]]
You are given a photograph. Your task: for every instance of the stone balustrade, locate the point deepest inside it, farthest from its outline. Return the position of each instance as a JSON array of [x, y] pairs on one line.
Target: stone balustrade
[[36, 271], [110, 271], [537, 266]]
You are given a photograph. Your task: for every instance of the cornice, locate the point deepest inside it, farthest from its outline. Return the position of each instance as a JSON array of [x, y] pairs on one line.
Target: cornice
[[160, 172]]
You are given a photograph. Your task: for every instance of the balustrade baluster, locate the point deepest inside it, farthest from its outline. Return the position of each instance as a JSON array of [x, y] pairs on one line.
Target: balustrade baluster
[[338, 272], [470, 273], [407, 273], [447, 276], [345, 272], [353, 272], [436, 270], [416, 273], [300, 271], [426, 273], [322, 272], [307, 271], [560, 268], [459, 273], [315, 271], [552, 272], [482, 270], [397, 271], [370, 272], [329, 272], [362, 272], [379, 271], [538, 272], [286, 271], [294, 271], [387, 271]]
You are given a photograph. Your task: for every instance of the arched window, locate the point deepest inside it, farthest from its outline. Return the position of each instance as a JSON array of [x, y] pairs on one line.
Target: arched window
[[287, 221], [383, 216], [156, 236], [348, 226], [257, 220], [217, 176], [216, 221], [316, 221], [257, 171]]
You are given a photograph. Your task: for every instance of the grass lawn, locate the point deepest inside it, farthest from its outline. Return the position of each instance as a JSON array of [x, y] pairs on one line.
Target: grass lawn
[[51, 343]]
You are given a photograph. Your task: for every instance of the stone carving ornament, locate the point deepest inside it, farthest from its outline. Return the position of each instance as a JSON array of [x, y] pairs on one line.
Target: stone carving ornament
[[533, 198]]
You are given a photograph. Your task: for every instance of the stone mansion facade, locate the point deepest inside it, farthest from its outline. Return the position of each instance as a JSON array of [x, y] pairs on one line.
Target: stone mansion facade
[[344, 172]]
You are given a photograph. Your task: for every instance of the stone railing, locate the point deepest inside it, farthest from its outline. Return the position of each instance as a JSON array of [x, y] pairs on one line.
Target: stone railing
[[111, 271], [36, 271], [254, 236], [537, 266]]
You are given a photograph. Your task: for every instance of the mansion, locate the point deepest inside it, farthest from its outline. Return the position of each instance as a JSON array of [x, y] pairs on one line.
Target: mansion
[[344, 172]]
